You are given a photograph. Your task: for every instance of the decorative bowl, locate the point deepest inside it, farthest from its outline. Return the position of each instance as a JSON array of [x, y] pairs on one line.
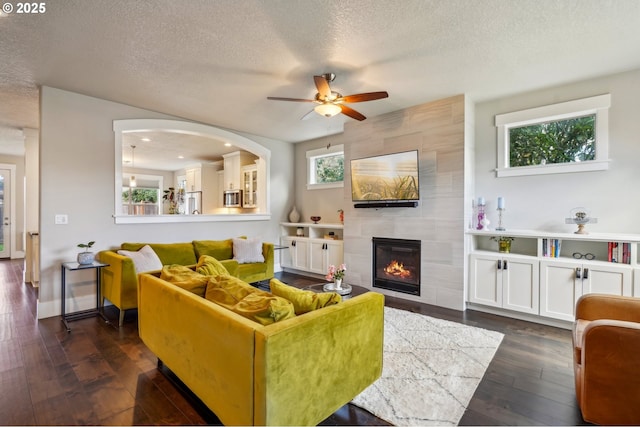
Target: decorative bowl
[[315, 219]]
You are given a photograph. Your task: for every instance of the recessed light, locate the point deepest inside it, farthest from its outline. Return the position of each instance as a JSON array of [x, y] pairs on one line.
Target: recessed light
[[146, 139], [181, 157], [227, 144]]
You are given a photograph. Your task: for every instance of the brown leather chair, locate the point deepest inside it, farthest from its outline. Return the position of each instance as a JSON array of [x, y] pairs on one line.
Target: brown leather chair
[[606, 356]]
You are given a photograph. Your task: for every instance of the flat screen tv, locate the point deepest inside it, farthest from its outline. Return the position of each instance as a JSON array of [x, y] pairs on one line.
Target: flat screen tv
[[386, 178]]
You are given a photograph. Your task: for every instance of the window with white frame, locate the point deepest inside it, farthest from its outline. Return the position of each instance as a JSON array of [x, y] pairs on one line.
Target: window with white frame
[[325, 167], [571, 136], [144, 198]]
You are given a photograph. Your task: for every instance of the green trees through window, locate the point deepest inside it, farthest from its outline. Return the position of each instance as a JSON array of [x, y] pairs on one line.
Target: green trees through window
[[140, 195], [560, 141], [329, 169]]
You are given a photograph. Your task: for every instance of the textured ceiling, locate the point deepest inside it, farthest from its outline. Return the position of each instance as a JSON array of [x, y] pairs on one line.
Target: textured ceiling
[[217, 61]]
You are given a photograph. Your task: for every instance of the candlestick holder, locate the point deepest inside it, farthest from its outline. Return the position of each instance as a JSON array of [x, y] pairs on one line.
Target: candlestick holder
[[500, 227]]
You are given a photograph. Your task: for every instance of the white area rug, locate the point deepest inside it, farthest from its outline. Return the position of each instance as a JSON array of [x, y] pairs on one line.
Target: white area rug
[[431, 369]]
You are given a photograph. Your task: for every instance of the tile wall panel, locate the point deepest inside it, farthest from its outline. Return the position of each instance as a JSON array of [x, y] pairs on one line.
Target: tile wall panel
[[437, 130]]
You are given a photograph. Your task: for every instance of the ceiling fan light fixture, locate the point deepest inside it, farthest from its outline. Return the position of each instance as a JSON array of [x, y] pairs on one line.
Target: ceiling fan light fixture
[[327, 109]]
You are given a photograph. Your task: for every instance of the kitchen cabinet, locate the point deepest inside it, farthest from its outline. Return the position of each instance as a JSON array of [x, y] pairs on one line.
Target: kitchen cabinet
[[250, 186], [233, 163], [204, 178]]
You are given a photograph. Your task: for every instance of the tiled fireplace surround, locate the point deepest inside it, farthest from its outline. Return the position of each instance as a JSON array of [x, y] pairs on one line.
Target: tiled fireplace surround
[[437, 130]]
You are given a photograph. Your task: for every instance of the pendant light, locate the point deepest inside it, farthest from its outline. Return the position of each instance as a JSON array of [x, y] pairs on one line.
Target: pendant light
[[132, 180]]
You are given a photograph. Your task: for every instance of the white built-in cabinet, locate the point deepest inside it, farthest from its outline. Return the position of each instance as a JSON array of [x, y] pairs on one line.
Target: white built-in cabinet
[[204, 178], [529, 280], [509, 282], [563, 282], [311, 251]]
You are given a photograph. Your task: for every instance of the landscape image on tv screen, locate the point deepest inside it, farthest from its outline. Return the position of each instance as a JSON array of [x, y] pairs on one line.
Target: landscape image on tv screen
[[389, 177]]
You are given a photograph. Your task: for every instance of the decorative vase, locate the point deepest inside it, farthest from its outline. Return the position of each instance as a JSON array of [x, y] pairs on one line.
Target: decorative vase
[[338, 283], [294, 216], [300, 232], [85, 258]]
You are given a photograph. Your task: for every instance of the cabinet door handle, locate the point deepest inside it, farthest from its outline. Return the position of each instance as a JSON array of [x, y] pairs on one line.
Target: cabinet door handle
[[293, 243], [504, 264], [585, 275], [499, 264], [578, 273]]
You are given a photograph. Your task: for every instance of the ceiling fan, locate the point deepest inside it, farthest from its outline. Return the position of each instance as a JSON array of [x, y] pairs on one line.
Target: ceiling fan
[[331, 103]]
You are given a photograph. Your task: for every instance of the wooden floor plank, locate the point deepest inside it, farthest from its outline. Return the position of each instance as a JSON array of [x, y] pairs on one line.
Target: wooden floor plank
[[100, 374]]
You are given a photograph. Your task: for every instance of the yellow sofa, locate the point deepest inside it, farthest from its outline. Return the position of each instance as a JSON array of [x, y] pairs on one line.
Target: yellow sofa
[[119, 281], [297, 371]]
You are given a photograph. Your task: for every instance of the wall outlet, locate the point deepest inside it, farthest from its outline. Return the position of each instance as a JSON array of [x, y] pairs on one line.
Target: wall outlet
[[62, 219]]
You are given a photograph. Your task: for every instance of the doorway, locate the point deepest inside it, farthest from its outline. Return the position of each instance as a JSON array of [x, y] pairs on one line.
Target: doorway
[[5, 213]]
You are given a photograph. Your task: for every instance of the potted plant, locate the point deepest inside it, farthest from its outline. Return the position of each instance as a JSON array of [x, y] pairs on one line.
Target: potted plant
[[86, 257], [504, 243]]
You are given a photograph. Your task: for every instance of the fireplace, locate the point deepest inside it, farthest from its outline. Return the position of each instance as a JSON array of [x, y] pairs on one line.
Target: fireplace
[[396, 265]]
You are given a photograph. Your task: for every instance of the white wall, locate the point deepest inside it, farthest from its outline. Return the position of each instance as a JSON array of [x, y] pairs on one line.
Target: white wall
[[77, 178], [318, 202], [543, 202], [32, 182]]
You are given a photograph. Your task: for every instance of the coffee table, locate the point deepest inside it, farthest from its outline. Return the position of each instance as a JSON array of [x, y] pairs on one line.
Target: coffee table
[[355, 289]]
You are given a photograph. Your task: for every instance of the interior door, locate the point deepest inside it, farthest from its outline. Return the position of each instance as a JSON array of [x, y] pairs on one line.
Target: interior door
[[5, 213]]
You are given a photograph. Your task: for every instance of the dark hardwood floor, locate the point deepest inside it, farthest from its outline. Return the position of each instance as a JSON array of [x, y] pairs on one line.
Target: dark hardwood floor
[[101, 375]]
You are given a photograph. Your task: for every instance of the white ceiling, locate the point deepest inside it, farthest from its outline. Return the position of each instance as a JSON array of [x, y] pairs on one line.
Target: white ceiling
[[216, 61]]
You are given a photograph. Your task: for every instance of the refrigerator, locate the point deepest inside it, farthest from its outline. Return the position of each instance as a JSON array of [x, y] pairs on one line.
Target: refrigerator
[[193, 203]]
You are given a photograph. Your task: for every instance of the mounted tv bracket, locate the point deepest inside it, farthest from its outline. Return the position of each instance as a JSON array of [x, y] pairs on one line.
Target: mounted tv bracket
[[407, 204]]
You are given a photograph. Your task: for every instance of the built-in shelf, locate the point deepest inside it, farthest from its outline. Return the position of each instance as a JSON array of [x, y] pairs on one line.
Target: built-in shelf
[[544, 283], [308, 248]]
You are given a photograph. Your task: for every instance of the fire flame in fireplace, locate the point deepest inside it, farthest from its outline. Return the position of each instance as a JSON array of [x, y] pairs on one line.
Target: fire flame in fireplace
[[397, 269]]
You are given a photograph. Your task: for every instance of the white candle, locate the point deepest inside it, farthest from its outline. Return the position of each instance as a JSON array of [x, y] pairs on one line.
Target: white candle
[[500, 202]]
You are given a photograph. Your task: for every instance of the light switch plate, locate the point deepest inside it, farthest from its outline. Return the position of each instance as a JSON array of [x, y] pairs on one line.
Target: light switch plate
[[62, 219]]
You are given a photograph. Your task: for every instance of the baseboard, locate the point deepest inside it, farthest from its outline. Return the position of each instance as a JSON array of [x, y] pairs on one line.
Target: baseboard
[[562, 324]]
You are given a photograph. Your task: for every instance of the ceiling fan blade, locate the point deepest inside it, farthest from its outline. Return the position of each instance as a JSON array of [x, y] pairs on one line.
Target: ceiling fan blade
[[276, 98], [351, 113], [308, 115], [361, 97], [323, 87]]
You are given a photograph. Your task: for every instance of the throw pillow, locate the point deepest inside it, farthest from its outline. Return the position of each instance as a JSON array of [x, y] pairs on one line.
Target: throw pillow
[[144, 259], [219, 249], [247, 251], [303, 301], [185, 278], [228, 289], [247, 301], [209, 266]]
